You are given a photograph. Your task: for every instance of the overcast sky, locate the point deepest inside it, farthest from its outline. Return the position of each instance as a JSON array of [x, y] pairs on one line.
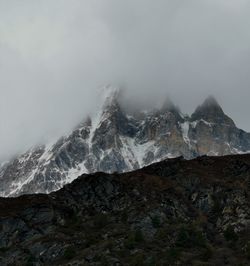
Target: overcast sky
[[55, 54]]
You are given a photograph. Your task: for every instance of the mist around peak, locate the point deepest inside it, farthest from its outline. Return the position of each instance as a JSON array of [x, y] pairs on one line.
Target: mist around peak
[[55, 56]]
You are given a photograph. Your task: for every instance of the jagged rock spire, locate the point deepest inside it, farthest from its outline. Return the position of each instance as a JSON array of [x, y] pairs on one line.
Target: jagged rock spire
[[116, 141], [211, 111], [211, 103], [169, 106]]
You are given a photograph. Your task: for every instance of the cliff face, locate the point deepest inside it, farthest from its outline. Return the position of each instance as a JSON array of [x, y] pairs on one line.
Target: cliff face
[[174, 212], [115, 141]]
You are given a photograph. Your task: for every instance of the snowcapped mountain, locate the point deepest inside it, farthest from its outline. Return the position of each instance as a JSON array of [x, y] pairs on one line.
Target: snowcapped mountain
[[115, 141]]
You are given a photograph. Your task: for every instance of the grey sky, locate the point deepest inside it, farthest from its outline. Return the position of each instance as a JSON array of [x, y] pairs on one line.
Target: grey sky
[[55, 54]]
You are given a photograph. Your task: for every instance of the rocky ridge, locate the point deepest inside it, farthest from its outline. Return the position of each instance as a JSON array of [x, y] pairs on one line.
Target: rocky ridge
[[118, 141], [175, 212]]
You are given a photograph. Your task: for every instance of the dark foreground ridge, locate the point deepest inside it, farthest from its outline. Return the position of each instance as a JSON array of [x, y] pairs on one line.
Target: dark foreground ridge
[[174, 212]]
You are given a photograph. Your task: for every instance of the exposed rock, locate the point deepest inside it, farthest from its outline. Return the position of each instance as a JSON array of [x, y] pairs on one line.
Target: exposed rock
[[118, 141]]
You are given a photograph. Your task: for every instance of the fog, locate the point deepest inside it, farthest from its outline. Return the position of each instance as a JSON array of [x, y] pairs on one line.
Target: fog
[[55, 55]]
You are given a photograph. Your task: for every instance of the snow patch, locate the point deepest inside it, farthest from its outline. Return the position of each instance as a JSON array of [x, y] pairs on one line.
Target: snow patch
[[140, 150], [194, 123], [73, 173], [185, 130], [17, 186]]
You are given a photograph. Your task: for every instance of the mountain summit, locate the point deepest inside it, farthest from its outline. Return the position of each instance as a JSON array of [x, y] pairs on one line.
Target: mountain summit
[[212, 112], [115, 141], [110, 96]]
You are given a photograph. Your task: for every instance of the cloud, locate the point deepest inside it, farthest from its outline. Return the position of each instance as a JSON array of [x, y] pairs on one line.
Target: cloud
[[54, 55]]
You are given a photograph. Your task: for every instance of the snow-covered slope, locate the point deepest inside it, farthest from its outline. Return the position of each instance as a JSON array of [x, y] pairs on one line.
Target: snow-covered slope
[[116, 141]]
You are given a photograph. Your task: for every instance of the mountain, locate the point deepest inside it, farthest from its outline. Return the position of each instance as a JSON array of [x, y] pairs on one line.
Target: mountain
[[175, 212], [118, 140]]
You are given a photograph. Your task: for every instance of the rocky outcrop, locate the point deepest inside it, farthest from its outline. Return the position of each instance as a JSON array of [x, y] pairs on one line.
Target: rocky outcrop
[[212, 112], [119, 141], [174, 212]]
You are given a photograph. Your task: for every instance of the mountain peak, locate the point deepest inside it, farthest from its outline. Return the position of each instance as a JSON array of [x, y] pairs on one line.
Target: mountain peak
[[211, 111], [211, 101], [209, 106], [110, 95], [169, 106]]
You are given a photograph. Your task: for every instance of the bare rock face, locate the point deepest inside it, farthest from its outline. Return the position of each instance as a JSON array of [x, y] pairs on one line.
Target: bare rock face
[[215, 133], [118, 141]]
